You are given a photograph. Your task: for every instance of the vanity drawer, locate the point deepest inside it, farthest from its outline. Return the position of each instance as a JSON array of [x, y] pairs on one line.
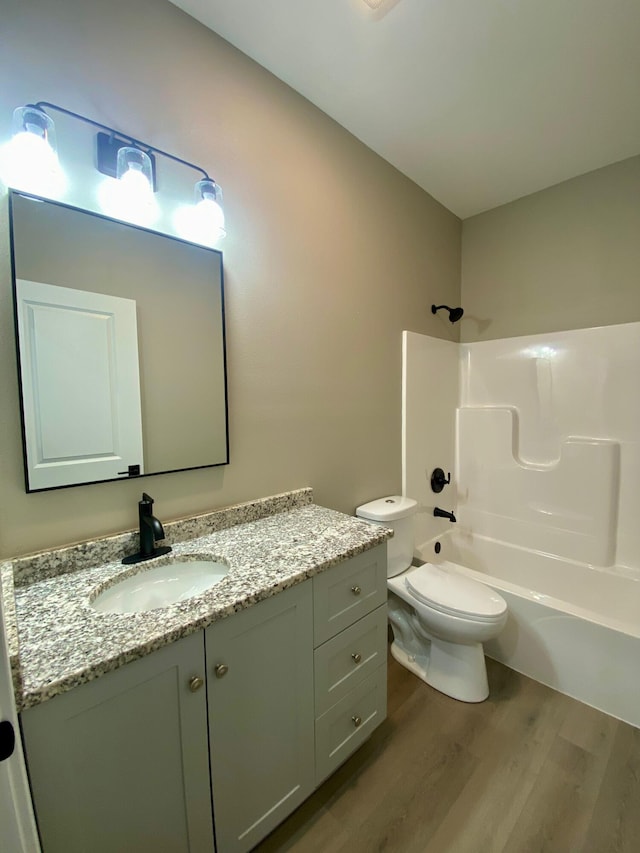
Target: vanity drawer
[[347, 659], [349, 591], [346, 725]]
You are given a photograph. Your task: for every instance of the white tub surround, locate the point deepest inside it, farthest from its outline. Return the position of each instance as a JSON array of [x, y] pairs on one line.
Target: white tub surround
[[429, 398], [549, 443], [566, 507], [546, 499], [64, 642]]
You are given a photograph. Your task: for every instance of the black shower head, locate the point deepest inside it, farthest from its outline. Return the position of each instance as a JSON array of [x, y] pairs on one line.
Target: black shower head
[[455, 314]]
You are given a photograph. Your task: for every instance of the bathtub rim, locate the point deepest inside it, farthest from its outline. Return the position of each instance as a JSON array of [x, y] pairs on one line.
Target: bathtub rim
[[425, 553]]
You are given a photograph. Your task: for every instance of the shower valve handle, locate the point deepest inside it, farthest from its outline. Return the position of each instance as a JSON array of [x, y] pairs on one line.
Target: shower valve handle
[[438, 480]]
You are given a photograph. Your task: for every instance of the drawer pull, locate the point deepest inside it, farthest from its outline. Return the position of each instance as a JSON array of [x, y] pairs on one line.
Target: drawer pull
[[356, 590], [357, 657], [221, 670], [195, 683], [357, 721]]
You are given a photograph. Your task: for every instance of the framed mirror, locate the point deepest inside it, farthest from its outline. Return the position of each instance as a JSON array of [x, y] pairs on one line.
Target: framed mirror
[[120, 337]]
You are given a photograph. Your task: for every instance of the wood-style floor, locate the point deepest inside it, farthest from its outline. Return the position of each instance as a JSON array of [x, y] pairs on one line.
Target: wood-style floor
[[527, 771]]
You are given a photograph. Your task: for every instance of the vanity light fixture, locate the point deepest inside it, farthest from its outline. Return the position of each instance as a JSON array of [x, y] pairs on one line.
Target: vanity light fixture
[[129, 165]]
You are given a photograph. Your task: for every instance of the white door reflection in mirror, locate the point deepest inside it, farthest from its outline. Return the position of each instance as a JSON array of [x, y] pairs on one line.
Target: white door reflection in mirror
[[80, 385]]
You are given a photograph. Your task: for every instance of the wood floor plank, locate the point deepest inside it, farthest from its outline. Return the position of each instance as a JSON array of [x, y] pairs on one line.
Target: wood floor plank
[[405, 817], [412, 760], [490, 804], [527, 771], [615, 822], [557, 812], [588, 728]]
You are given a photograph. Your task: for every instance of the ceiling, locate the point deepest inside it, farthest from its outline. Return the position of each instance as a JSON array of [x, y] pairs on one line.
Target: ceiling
[[478, 101]]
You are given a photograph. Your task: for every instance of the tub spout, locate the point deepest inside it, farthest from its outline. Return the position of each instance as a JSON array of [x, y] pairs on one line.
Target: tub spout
[[442, 513]]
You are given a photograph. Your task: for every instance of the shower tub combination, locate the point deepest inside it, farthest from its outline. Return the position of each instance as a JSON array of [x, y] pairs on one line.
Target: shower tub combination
[[571, 626], [542, 432]]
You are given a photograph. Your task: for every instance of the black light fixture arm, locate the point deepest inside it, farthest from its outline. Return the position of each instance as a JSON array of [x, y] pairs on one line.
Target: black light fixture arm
[[137, 143]]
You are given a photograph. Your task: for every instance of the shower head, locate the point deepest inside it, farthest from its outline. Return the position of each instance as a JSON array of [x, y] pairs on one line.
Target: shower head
[[454, 313]]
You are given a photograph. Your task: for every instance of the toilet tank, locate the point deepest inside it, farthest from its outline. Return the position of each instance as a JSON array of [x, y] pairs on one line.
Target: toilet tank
[[395, 512]]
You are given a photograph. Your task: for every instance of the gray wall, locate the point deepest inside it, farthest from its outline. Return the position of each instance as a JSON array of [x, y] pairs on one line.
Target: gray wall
[[567, 257], [330, 254]]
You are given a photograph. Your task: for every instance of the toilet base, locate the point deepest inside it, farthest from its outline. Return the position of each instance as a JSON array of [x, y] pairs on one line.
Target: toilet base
[[454, 669]]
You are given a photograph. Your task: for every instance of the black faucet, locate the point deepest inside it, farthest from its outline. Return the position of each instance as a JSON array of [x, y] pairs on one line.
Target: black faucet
[[150, 531], [442, 513]]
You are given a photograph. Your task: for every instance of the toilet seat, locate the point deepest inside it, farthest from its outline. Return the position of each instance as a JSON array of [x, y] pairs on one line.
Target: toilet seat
[[451, 593]]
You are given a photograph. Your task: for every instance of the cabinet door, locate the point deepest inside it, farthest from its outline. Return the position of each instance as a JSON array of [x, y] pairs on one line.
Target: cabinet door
[[121, 763], [261, 724]]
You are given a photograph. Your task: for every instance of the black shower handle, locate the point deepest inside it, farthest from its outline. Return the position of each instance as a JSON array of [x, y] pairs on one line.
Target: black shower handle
[[439, 481]]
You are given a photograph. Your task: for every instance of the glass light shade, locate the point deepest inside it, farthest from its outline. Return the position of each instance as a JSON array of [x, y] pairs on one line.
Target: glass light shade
[[29, 161], [130, 195], [204, 221], [134, 161], [36, 121]]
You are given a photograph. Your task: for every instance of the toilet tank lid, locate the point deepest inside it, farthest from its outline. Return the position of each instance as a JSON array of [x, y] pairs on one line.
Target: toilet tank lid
[[387, 509]]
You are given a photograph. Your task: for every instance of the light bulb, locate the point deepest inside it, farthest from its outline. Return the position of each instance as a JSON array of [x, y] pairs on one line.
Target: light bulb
[[203, 222], [29, 160], [130, 196], [136, 181]]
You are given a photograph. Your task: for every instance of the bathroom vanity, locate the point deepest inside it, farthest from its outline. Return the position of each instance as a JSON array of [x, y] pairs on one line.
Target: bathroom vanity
[[215, 717]]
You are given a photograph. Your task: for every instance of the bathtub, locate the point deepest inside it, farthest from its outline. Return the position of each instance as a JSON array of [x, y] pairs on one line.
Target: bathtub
[[571, 626]]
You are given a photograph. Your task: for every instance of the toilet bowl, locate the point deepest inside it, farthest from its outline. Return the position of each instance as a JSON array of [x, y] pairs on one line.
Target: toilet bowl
[[439, 617]]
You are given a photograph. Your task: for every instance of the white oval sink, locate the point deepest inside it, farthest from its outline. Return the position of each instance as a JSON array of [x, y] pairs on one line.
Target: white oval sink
[[169, 583]]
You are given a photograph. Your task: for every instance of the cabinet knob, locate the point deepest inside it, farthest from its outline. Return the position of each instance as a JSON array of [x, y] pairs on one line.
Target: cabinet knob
[[356, 590], [221, 670], [357, 657], [195, 683], [357, 721]]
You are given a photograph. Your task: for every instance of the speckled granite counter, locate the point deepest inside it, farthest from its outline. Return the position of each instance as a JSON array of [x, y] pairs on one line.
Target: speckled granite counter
[[10, 625], [64, 642]]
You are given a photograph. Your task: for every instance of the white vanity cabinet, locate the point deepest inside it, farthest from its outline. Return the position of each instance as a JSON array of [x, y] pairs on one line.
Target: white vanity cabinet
[[250, 716], [121, 763]]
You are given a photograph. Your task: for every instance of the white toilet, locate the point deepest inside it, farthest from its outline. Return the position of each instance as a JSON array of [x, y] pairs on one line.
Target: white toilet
[[440, 617]]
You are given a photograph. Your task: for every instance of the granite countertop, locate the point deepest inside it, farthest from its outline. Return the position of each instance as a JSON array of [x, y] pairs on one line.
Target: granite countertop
[[64, 642]]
